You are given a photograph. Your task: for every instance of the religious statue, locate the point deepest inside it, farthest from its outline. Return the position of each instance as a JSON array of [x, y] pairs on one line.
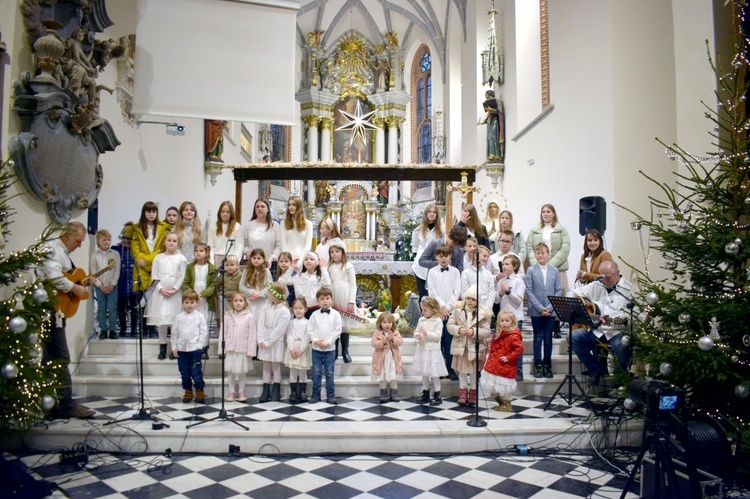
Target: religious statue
[[383, 191], [384, 297], [322, 191], [495, 121], [382, 72], [78, 69], [214, 135]]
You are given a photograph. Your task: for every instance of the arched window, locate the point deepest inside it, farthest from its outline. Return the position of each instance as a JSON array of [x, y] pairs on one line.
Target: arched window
[[421, 109]]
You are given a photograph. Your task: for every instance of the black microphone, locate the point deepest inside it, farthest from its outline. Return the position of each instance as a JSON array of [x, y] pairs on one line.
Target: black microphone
[[599, 279]]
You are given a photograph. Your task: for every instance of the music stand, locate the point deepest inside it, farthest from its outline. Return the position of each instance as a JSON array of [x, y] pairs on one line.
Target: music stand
[[142, 413], [573, 311]]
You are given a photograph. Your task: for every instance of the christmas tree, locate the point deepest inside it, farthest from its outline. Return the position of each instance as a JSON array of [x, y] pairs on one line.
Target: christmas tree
[[27, 383], [693, 328]]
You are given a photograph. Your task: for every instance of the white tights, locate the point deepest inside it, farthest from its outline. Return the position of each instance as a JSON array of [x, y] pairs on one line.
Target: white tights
[[271, 368], [294, 374], [467, 380], [239, 379], [435, 383]]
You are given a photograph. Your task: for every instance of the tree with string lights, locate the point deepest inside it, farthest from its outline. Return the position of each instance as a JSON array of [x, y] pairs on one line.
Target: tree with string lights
[[27, 383], [693, 327]]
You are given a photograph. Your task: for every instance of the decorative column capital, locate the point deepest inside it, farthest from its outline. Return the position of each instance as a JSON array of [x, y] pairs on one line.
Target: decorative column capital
[[378, 122], [326, 124], [311, 120], [394, 121], [314, 38]]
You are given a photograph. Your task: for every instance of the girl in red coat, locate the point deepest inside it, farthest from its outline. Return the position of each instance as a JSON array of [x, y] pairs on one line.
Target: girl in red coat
[[499, 373]]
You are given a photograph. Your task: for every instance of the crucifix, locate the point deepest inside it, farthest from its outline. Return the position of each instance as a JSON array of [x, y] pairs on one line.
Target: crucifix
[[466, 192]]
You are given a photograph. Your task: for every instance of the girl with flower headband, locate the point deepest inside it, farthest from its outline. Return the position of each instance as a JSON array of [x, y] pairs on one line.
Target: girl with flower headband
[[310, 277], [253, 282], [328, 232], [272, 327], [344, 287]]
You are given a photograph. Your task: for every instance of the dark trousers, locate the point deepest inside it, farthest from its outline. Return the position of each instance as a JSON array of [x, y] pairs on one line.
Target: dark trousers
[[446, 340], [126, 305], [56, 349], [323, 362], [421, 287], [191, 372], [543, 327]]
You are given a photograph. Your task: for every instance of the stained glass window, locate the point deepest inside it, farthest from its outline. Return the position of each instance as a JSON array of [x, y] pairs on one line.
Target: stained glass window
[[421, 106]]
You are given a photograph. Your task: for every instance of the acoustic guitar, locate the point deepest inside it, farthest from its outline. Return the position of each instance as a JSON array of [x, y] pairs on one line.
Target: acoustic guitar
[[67, 303], [593, 310]]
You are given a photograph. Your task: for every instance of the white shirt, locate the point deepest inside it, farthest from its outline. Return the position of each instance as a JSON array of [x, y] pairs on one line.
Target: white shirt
[[189, 332], [257, 235], [445, 287], [56, 263], [610, 304], [324, 327], [495, 263], [218, 244], [513, 301], [99, 260], [418, 244], [486, 284]]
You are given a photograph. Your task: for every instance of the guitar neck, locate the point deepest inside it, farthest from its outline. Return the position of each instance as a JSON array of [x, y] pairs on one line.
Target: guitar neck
[[96, 274]]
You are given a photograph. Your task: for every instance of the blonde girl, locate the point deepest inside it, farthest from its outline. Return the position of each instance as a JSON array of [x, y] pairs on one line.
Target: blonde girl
[[468, 321], [273, 325], [285, 273], [165, 303], [296, 231], [226, 234], [188, 229], [297, 356], [238, 341], [499, 373], [328, 232], [344, 287], [253, 282], [387, 366], [429, 229], [311, 276], [428, 360]]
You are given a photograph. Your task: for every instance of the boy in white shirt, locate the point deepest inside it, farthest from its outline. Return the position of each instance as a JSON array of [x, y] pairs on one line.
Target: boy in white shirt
[[189, 336], [444, 284], [324, 328]]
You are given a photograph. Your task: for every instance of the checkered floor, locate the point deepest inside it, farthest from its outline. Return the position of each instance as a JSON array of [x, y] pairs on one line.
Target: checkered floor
[[557, 475]]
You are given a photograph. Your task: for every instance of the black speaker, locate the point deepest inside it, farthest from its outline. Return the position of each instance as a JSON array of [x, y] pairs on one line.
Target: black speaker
[[93, 218], [592, 214]]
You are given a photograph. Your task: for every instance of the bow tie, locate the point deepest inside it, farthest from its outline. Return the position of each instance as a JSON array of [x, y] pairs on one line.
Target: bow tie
[[328, 311], [444, 269]]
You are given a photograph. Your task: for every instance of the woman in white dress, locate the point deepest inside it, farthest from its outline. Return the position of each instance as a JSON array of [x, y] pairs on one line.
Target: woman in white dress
[[296, 231], [262, 232], [227, 229]]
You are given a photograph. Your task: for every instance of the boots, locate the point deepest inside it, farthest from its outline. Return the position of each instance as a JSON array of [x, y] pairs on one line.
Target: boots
[[505, 406], [345, 348], [547, 371], [394, 395], [472, 400], [293, 393], [384, 396], [538, 370], [436, 400], [463, 396], [200, 397], [188, 397], [302, 392], [162, 351], [266, 395], [424, 398], [500, 401], [276, 392]]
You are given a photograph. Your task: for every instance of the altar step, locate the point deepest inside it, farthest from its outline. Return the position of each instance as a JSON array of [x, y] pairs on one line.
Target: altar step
[[109, 368]]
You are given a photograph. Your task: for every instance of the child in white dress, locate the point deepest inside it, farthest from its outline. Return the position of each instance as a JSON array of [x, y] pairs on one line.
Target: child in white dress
[[168, 271], [253, 283], [344, 287], [428, 359], [273, 324], [309, 279], [238, 341], [297, 356], [386, 359]]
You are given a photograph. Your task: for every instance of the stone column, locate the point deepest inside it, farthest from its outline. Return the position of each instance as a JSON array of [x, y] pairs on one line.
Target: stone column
[[379, 140], [312, 137], [393, 125], [311, 192], [326, 125]]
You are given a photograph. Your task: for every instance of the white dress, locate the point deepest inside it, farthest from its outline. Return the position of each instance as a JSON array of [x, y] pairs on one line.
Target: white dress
[[344, 287], [274, 322], [297, 339], [256, 306], [201, 275], [170, 272], [428, 359], [307, 285], [322, 250]]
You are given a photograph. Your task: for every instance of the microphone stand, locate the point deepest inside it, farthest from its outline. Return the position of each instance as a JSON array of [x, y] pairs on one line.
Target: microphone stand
[[630, 306], [223, 414], [142, 413], [475, 420]]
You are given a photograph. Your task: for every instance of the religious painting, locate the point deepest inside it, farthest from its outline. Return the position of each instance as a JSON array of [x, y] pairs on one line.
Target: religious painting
[[353, 145], [246, 143], [353, 214]]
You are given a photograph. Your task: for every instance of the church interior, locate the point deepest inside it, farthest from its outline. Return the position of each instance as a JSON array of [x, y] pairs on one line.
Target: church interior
[[370, 111]]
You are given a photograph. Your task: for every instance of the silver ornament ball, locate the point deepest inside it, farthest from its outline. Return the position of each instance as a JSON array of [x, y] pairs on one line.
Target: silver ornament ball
[[39, 295], [635, 226], [747, 199], [705, 343], [732, 248], [652, 298], [735, 358], [33, 338], [10, 370], [700, 197], [48, 402], [17, 324], [625, 340], [665, 368], [684, 318], [659, 214], [670, 264], [741, 391], [629, 404], [738, 241], [682, 226]]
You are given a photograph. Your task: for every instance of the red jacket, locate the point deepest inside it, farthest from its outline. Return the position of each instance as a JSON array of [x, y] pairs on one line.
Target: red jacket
[[508, 344]]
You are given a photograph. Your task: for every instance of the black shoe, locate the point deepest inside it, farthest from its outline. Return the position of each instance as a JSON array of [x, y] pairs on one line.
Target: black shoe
[[547, 372], [276, 392], [332, 400], [293, 393], [113, 335], [538, 371], [103, 335], [345, 348], [162, 351], [314, 399], [436, 400], [424, 398], [302, 393], [266, 395], [452, 375]]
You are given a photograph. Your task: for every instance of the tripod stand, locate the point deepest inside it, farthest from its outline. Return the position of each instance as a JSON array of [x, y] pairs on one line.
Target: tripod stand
[[572, 311], [223, 414], [142, 413]]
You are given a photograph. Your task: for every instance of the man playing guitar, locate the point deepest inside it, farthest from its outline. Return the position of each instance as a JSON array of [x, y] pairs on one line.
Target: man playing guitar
[[610, 294], [56, 346]]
